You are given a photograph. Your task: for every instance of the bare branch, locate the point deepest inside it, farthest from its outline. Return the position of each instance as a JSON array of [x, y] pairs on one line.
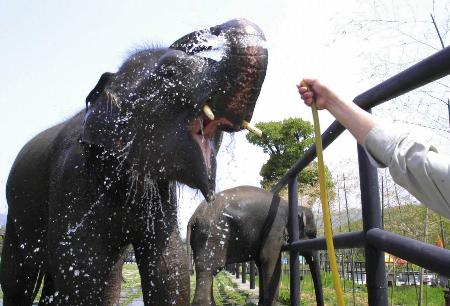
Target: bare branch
[[416, 40]]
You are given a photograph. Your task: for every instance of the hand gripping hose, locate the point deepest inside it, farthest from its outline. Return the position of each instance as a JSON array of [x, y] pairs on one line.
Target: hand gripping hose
[[325, 207]]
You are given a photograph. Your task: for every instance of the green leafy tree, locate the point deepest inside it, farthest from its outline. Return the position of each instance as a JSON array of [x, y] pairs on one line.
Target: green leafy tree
[[286, 141]]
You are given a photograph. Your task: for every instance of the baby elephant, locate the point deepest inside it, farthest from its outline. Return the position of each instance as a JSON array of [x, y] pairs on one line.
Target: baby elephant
[[242, 224]]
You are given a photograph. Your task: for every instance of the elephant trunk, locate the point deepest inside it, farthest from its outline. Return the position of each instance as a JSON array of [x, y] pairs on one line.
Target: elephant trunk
[[238, 61], [242, 71], [312, 259]]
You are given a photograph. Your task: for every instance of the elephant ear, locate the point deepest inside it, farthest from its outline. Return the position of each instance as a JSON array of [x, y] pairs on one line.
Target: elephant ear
[[102, 125], [98, 89]]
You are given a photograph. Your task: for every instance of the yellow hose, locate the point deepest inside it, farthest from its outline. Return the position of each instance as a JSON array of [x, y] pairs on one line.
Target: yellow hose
[[325, 208]]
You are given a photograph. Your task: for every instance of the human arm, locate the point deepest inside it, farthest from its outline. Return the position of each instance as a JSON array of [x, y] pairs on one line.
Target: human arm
[[413, 164], [357, 121]]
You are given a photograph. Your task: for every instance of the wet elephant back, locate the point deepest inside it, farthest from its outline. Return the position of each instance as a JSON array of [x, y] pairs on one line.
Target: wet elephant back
[[27, 189], [249, 208]]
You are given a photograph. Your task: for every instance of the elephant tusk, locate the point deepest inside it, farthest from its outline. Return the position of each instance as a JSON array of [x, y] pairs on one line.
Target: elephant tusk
[[252, 128], [208, 112]]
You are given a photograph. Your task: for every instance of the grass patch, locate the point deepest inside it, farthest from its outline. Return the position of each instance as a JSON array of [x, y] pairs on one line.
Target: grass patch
[[226, 286], [224, 290], [132, 284], [403, 295]]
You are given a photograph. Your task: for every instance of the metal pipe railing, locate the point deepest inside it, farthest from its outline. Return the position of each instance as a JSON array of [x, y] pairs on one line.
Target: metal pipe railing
[[293, 229], [341, 241], [371, 217], [425, 255]]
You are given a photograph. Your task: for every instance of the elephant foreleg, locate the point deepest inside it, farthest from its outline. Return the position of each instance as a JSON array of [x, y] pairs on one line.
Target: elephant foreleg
[[19, 279], [164, 271], [312, 259], [271, 272], [203, 288], [260, 285], [112, 291], [81, 273]]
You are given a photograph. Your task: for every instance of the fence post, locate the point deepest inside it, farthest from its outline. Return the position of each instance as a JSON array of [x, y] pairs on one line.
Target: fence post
[[447, 296], [237, 270], [244, 272], [371, 215], [293, 237], [252, 275]]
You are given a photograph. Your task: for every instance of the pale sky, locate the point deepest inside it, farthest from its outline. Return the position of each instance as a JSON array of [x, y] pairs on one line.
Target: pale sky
[[53, 53]]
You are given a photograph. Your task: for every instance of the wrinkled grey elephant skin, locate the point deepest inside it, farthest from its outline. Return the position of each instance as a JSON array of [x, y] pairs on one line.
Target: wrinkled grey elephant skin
[[235, 228], [80, 192]]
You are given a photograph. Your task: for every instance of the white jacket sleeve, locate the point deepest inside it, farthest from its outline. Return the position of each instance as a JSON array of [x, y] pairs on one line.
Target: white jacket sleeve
[[415, 165]]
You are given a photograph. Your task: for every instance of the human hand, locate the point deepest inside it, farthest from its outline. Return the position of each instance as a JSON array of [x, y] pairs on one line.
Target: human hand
[[312, 90]]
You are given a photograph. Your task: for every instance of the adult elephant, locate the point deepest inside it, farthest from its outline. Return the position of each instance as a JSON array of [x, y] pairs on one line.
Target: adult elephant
[[242, 224], [81, 191]]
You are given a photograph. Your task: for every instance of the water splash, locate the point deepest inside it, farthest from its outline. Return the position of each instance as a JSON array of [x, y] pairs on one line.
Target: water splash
[[72, 229], [216, 45]]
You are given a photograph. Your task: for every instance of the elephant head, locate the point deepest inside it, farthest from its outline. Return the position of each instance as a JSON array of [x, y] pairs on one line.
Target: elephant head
[[149, 115], [308, 230]]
